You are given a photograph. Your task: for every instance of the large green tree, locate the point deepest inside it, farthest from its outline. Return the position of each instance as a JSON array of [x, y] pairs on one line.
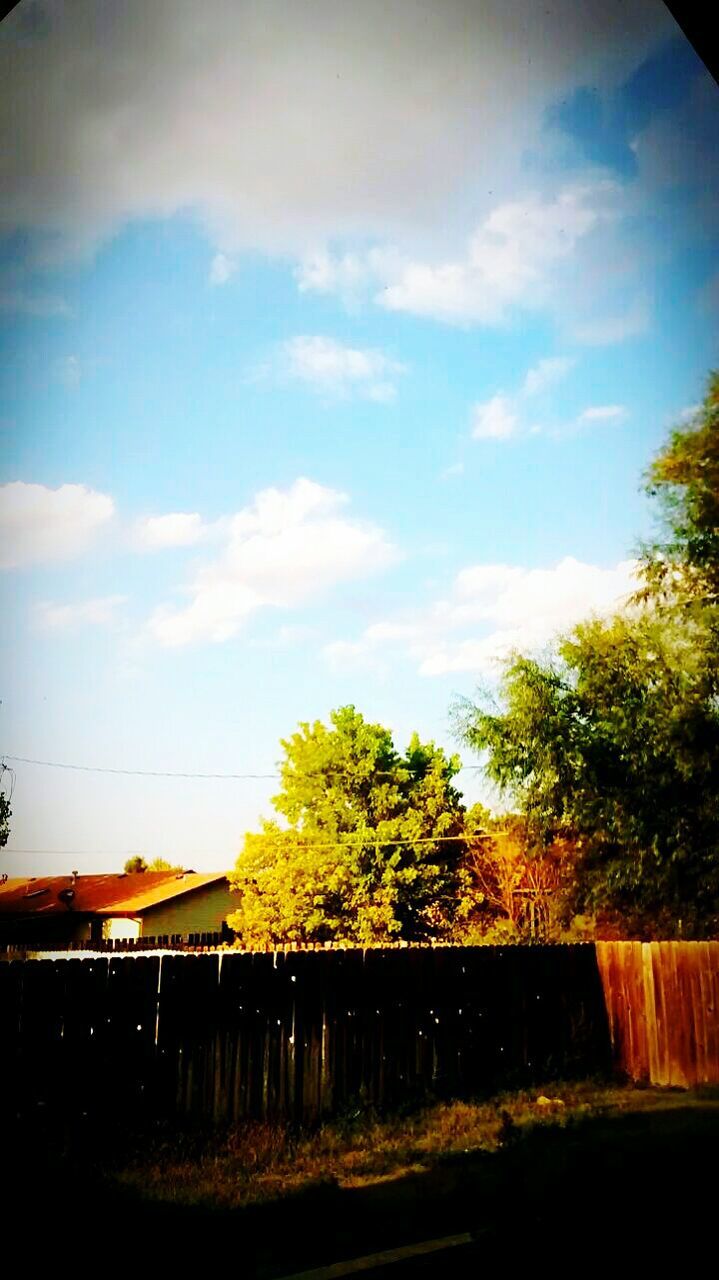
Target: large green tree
[[682, 564], [369, 849], [614, 742]]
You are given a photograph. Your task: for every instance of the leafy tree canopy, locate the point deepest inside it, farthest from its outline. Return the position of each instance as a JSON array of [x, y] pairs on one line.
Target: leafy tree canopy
[[138, 864], [367, 853], [5, 816], [615, 741], [684, 477]]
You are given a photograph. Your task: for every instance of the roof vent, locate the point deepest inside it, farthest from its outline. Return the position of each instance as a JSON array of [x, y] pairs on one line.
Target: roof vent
[[66, 896]]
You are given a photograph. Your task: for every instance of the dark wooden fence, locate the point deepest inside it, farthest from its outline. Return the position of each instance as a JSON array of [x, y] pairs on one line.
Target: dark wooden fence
[[164, 942], [293, 1035], [663, 1005]]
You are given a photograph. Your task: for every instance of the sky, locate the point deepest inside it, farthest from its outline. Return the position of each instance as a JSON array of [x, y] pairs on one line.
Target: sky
[[336, 340]]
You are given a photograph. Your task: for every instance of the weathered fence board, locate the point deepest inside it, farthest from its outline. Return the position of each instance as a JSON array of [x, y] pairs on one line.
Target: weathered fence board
[[663, 1007]]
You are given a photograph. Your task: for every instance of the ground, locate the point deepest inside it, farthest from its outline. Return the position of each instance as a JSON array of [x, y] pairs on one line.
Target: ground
[[592, 1174]]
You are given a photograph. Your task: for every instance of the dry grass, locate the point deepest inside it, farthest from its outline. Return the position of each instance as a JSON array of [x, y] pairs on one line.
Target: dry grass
[[257, 1162]]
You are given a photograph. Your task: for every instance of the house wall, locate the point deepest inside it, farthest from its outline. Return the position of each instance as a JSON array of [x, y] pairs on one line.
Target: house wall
[[121, 927], [201, 910]]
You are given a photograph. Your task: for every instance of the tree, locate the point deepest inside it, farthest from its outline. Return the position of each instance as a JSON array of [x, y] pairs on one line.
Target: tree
[[615, 741], [616, 744], [518, 895], [682, 565], [370, 850], [5, 816], [135, 865], [138, 864]]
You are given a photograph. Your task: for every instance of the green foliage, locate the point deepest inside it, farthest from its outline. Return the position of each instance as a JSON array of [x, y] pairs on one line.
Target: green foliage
[[138, 864], [684, 564], [135, 864], [5, 816], [368, 853], [615, 742]]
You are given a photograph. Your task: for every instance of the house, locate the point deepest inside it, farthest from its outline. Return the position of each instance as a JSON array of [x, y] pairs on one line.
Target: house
[[54, 911]]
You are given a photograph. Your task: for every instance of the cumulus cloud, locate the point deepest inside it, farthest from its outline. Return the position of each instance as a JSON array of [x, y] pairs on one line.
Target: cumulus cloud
[[491, 610], [494, 419], [39, 524], [508, 262], [547, 373], [511, 260], [177, 529], [285, 549], [499, 417], [330, 368], [282, 125], [100, 612]]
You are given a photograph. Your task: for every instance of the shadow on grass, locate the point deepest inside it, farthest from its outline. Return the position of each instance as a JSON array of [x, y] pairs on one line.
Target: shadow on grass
[[601, 1191]]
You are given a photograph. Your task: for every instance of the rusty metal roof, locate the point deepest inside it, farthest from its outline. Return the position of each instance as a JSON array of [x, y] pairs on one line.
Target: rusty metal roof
[[122, 895]]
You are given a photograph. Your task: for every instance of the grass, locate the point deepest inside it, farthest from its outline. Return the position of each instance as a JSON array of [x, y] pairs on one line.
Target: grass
[[575, 1172], [257, 1163]]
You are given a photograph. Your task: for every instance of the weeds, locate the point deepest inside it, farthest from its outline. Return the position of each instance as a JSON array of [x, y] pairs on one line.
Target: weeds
[[263, 1161]]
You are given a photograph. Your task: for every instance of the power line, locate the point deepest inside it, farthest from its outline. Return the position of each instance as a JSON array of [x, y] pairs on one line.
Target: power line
[[370, 838], [141, 773], [164, 773]]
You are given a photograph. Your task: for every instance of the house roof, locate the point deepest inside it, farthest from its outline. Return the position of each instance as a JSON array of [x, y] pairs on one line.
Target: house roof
[[105, 895]]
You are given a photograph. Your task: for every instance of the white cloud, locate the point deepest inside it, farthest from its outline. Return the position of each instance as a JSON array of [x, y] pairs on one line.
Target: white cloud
[[494, 419], [545, 374], [333, 369], [509, 259], [100, 612], [350, 276], [283, 124], [499, 417], [39, 524], [178, 529], [491, 610], [287, 548], [602, 413], [221, 268], [509, 262]]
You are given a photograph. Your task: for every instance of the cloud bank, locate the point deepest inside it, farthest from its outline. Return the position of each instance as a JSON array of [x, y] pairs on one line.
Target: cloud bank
[[283, 125]]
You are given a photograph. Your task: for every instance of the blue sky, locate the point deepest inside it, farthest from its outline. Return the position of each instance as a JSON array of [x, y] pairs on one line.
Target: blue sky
[[335, 341]]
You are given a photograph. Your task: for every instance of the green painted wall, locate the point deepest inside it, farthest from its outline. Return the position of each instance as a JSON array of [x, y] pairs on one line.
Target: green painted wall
[[199, 911]]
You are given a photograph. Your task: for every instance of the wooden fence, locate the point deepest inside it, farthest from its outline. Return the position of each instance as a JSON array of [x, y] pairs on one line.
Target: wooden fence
[[164, 942], [662, 1001], [295, 1035]]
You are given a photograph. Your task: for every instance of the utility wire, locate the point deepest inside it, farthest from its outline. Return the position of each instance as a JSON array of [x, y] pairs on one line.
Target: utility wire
[[162, 773], [142, 773]]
